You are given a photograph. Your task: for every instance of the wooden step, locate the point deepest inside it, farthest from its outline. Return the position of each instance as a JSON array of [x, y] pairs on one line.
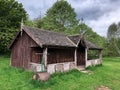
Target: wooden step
[[80, 68]]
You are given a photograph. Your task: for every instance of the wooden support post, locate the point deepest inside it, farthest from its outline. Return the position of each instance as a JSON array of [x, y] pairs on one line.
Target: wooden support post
[[100, 55], [86, 56], [75, 57], [45, 56], [11, 59]]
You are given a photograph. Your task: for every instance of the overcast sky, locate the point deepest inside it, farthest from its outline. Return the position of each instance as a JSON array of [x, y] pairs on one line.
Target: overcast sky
[[98, 14]]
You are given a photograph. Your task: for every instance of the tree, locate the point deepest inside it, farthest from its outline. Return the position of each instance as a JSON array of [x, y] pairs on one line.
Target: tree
[[90, 35], [112, 29], [62, 18], [31, 23], [59, 17], [113, 37], [11, 13]]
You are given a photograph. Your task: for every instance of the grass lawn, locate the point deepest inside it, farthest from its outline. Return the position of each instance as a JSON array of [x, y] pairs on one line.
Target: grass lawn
[[18, 79]]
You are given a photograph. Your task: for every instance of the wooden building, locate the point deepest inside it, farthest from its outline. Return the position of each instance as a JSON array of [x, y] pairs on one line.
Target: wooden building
[[32, 46]]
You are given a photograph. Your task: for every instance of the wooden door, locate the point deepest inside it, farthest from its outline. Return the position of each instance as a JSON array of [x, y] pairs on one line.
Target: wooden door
[[80, 57]]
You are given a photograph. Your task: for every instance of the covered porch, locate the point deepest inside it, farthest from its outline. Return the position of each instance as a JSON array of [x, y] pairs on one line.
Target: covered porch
[[93, 54], [59, 59], [95, 58], [87, 54], [50, 59]]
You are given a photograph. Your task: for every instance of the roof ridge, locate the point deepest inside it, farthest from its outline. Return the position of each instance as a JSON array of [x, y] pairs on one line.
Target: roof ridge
[[60, 33]]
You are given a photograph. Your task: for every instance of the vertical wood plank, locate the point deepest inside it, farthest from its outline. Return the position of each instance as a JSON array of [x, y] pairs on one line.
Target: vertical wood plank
[[60, 55], [20, 54]]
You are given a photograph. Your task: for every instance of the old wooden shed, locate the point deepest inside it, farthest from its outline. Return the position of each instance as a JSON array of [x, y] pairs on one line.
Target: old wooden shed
[[31, 47]]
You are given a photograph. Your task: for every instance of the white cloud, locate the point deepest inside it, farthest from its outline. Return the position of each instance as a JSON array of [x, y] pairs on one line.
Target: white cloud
[[101, 25], [36, 7], [98, 14]]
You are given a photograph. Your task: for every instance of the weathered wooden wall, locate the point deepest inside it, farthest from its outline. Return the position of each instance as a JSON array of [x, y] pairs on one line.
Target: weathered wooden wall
[[21, 51], [37, 54], [60, 55]]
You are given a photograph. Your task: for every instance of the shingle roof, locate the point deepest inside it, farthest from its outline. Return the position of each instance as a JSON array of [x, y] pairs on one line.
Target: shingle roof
[[88, 44], [75, 38], [49, 38]]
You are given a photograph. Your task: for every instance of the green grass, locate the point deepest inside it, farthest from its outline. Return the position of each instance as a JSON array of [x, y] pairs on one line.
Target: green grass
[[18, 79]]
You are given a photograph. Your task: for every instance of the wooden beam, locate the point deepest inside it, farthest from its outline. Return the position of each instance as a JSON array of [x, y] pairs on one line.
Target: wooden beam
[[41, 53]]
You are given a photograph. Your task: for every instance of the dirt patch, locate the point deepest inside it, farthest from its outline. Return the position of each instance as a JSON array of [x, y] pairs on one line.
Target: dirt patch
[[103, 88], [87, 71]]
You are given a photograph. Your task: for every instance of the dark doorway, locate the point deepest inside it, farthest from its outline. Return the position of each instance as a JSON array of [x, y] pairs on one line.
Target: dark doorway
[[80, 56]]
